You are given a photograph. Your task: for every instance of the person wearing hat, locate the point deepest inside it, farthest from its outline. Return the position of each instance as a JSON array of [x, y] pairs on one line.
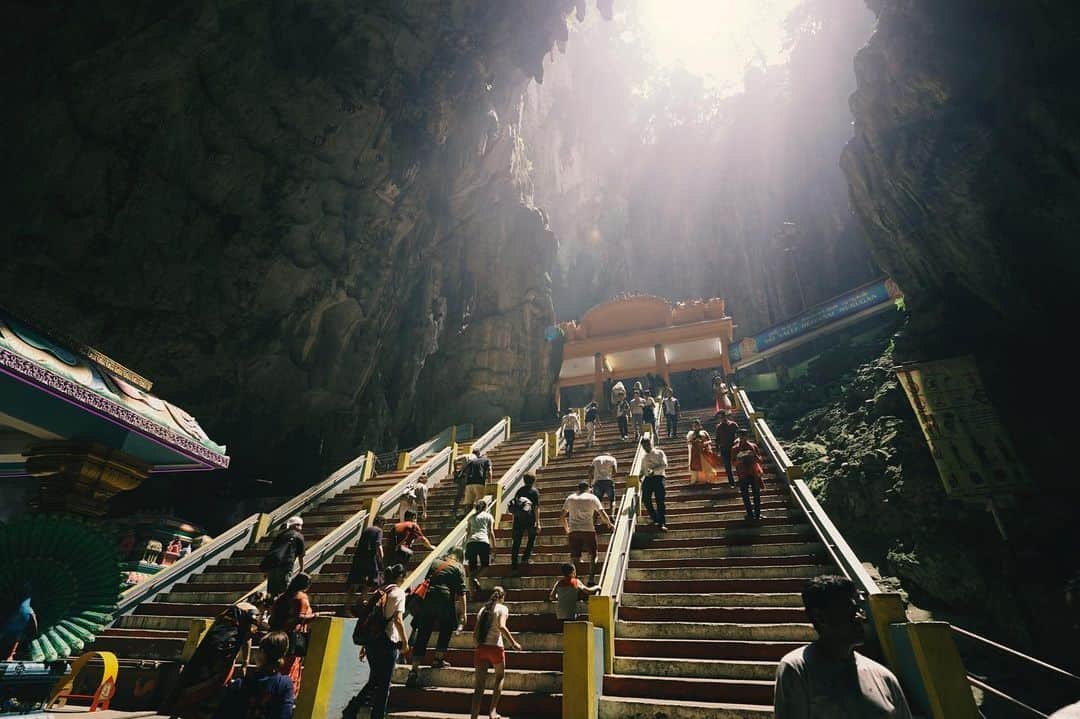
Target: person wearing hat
[[286, 548]]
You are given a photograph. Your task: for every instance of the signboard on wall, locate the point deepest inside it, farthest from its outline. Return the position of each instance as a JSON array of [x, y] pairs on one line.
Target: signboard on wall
[[971, 448], [873, 295]]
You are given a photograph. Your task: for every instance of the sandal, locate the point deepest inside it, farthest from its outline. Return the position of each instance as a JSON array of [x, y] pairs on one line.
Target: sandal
[[441, 664]]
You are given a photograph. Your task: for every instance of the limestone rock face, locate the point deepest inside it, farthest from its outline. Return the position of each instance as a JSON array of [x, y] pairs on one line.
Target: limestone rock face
[[963, 169], [302, 218]]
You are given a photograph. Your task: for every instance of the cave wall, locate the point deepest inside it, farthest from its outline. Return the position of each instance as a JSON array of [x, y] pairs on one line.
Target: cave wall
[[303, 219], [668, 187]]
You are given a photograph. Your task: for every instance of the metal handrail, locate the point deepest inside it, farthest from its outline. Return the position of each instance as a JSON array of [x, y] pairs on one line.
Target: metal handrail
[[437, 468], [1002, 695], [492, 438], [345, 477], [839, 550], [612, 574], [530, 459], [218, 549], [1032, 660]]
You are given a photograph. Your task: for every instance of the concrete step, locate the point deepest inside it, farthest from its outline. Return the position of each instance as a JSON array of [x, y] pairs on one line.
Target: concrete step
[[728, 599], [784, 632], [174, 622], [539, 660], [739, 691], [745, 528], [698, 668], [640, 557], [741, 615], [448, 701], [704, 648], [636, 708], [531, 641], [715, 586], [519, 680], [802, 571]]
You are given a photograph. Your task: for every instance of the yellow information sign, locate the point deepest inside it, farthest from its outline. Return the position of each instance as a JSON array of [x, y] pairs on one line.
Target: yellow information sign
[[970, 446]]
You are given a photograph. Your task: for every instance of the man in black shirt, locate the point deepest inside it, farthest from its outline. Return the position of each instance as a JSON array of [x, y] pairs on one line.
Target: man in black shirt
[[477, 475], [526, 510], [278, 563]]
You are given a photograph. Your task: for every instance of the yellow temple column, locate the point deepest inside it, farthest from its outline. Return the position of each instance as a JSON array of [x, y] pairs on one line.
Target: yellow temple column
[[661, 364], [598, 378], [82, 477]]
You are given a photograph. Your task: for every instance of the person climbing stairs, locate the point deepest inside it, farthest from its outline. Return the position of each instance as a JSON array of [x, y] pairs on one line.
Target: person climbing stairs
[[710, 606], [532, 688]]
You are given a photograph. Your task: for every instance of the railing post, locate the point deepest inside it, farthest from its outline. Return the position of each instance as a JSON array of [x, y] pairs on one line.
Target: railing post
[[886, 608], [495, 490], [369, 466], [507, 435], [372, 507], [196, 631], [602, 614], [579, 673], [544, 456], [262, 528], [320, 668], [403, 461], [941, 671]]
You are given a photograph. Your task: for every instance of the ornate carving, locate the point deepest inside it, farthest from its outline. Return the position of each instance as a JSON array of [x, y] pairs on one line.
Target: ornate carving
[[82, 478]]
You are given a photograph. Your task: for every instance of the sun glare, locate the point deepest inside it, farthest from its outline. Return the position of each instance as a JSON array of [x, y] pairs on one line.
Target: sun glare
[[716, 39]]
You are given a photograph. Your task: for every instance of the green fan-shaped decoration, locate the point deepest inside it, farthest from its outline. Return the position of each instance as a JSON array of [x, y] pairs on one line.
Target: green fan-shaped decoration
[[73, 572]]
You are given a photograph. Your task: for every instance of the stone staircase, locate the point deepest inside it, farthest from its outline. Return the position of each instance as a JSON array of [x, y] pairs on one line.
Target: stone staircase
[[709, 607], [328, 587], [158, 629], [533, 682]]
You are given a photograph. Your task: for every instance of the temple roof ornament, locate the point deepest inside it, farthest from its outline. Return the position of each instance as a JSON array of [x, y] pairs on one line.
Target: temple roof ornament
[[53, 390]]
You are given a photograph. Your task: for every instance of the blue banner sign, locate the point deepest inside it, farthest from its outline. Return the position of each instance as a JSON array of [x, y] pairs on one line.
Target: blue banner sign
[[845, 305]]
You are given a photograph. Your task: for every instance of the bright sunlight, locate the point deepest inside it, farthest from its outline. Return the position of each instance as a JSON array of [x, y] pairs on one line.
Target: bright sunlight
[[715, 39]]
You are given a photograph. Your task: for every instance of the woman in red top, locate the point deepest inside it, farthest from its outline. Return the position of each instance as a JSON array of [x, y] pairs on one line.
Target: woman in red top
[[290, 614]]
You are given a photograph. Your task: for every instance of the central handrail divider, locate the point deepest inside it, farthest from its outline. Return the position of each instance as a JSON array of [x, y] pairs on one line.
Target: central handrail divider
[[344, 478], [531, 459], [604, 607]]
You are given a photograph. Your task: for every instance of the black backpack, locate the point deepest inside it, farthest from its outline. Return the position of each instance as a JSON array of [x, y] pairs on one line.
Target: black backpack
[[371, 618], [522, 506]]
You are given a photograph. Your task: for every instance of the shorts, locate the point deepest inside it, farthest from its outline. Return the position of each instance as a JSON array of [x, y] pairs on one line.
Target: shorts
[[478, 552], [582, 543], [604, 488], [490, 653], [473, 494]]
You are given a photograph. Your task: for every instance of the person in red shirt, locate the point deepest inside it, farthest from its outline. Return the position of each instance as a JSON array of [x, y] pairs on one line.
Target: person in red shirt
[[726, 433], [400, 538], [748, 466]]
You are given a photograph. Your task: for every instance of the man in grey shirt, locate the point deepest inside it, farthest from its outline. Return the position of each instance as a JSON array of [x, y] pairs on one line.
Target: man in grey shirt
[[827, 679]]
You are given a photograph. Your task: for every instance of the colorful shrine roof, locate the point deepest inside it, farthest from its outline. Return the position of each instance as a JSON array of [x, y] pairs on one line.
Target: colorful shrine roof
[[50, 390]]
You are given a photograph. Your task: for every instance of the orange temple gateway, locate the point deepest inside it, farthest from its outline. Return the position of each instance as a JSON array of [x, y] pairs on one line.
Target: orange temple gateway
[[633, 335]]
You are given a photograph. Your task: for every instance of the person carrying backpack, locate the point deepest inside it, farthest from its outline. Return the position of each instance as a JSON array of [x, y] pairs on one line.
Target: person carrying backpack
[[490, 652], [415, 498], [477, 475], [592, 422], [278, 563], [380, 630], [525, 507]]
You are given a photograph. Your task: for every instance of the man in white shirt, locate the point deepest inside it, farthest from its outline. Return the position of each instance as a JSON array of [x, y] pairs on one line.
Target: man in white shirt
[[579, 513], [382, 654], [571, 425], [827, 679], [603, 471], [654, 473]]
